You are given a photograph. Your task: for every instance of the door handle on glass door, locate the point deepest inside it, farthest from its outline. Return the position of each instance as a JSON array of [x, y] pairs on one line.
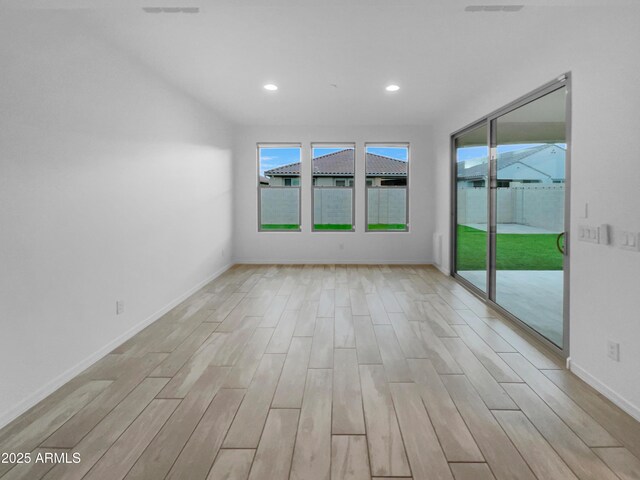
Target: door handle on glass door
[[561, 247]]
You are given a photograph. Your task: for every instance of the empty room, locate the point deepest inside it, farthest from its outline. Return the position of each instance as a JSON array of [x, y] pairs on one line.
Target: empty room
[[319, 240]]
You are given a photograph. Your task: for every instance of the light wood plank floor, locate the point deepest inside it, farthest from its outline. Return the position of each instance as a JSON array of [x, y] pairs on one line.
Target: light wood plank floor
[[327, 372]]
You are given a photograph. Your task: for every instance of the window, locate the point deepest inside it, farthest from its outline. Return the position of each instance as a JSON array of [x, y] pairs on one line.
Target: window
[[333, 178], [387, 171], [279, 187]]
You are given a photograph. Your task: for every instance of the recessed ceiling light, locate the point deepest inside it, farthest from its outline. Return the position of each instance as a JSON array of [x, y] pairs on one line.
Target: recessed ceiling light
[[271, 87], [392, 88]]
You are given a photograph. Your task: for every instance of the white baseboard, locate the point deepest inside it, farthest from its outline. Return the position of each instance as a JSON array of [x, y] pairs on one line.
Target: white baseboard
[[442, 269], [612, 395], [333, 261], [53, 385]]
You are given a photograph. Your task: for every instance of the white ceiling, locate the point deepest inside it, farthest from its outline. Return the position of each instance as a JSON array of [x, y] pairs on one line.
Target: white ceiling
[[438, 53]]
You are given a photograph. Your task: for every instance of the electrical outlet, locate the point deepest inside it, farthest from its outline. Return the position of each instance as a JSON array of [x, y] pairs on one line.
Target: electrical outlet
[[613, 350], [119, 307]]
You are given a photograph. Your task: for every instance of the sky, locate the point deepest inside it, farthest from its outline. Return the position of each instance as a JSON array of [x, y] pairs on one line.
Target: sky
[[272, 157]]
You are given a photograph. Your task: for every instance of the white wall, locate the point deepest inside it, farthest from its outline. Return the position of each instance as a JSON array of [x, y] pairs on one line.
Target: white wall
[[113, 185], [601, 51], [414, 246]]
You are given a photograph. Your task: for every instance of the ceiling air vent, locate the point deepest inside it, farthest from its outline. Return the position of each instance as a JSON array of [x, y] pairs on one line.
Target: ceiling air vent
[[493, 8], [171, 9]]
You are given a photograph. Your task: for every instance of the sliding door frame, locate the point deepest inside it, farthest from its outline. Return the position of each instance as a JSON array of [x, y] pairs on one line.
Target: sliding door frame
[[490, 121]]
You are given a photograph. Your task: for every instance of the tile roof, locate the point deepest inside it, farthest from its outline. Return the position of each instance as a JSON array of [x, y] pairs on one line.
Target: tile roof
[[341, 163]]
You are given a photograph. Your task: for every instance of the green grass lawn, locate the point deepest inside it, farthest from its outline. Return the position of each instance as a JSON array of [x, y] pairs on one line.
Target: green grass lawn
[[332, 226], [275, 226], [514, 251], [387, 226]]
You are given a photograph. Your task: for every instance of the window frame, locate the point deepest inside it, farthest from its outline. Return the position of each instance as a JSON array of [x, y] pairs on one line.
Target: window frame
[[259, 146], [406, 145], [352, 186]]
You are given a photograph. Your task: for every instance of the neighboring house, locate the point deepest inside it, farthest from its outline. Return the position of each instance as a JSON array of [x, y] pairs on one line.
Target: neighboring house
[[532, 165], [336, 170], [264, 180]]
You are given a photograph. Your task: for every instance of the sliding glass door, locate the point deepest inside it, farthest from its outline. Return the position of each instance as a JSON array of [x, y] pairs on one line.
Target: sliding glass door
[[510, 210], [472, 179]]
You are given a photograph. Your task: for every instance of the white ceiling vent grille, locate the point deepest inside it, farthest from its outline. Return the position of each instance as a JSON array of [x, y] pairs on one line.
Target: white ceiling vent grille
[[171, 9], [493, 8]]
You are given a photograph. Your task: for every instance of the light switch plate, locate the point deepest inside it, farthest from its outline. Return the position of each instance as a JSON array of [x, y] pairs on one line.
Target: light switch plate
[[603, 234], [588, 234], [630, 241]]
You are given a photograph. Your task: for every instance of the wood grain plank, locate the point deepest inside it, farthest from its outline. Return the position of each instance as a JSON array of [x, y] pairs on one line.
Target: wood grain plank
[[247, 426], [349, 458], [426, 457], [358, 302], [525, 345], [395, 364], [275, 450], [437, 322], [199, 453], [117, 461], [232, 464], [192, 370], [584, 463], [451, 316], [410, 342], [455, 438], [386, 451], [244, 369], [306, 322], [229, 346], [620, 424], [312, 454], [471, 471], [39, 465], [437, 352], [347, 415], [376, 308], [100, 439], [283, 333], [345, 335], [491, 392], [326, 306], [542, 459], [497, 449], [590, 431], [488, 334], [621, 461], [158, 457], [174, 362], [290, 387], [366, 343], [31, 435], [322, 344], [342, 296], [69, 434], [273, 314], [489, 359]]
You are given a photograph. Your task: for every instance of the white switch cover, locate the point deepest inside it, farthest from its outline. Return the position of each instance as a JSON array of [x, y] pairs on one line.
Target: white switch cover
[[588, 234], [613, 350], [630, 241], [603, 234], [119, 307]]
